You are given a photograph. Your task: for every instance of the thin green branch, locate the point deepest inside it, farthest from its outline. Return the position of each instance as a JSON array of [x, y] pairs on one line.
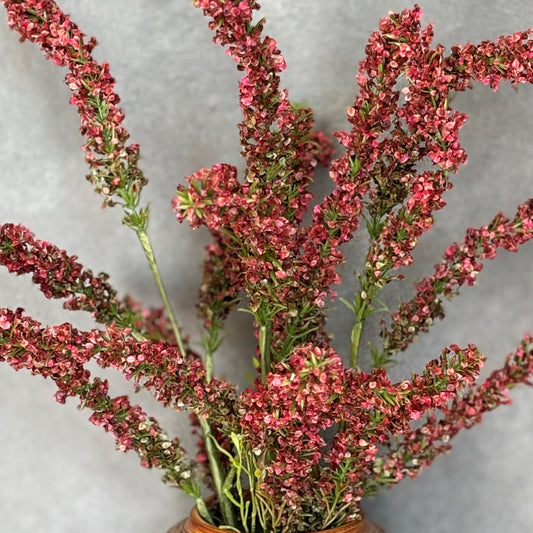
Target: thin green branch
[[150, 256], [265, 335], [226, 508], [355, 339]]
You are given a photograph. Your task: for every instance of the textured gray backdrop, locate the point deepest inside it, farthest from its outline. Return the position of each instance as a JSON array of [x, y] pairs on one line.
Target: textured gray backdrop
[[60, 474]]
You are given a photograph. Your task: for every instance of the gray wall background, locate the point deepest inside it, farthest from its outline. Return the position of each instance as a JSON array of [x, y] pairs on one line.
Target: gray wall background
[[61, 474]]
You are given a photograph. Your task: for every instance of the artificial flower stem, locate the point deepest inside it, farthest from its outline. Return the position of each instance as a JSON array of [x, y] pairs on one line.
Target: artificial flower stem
[[209, 366], [226, 508], [265, 333], [355, 338], [150, 256], [210, 342]]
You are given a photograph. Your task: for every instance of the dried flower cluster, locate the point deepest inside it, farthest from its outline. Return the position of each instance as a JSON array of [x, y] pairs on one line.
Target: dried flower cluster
[[313, 435]]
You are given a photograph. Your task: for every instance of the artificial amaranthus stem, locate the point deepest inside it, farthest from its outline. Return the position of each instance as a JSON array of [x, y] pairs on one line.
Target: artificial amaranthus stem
[[226, 508], [211, 342], [265, 334], [355, 339], [362, 308], [150, 256]]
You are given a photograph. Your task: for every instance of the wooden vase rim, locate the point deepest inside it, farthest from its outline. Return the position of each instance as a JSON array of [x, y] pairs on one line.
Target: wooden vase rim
[[196, 524]]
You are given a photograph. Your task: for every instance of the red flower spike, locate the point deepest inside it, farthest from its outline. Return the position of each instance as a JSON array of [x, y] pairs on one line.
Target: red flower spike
[[113, 163], [460, 265]]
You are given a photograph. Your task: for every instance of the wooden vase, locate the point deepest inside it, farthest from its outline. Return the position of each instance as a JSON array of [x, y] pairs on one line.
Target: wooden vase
[[196, 524]]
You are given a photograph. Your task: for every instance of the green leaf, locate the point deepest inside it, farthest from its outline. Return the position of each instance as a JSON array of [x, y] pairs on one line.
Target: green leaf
[[348, 304]]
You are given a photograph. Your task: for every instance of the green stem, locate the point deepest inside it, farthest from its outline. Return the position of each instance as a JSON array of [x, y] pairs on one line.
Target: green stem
[[209, 366], [150, 256], [226, 508], [265, 334], [361, 312], [211, 341], [355, 342]]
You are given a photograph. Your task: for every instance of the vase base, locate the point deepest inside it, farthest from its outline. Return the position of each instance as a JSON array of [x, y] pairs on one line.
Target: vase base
[[370, 527], [195, 524]]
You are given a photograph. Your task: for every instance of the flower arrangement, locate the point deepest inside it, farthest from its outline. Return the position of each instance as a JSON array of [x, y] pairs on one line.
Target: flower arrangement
[[315, 433]]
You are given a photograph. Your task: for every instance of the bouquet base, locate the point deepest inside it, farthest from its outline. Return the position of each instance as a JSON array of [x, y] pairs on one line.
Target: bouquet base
[[195, 524]]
